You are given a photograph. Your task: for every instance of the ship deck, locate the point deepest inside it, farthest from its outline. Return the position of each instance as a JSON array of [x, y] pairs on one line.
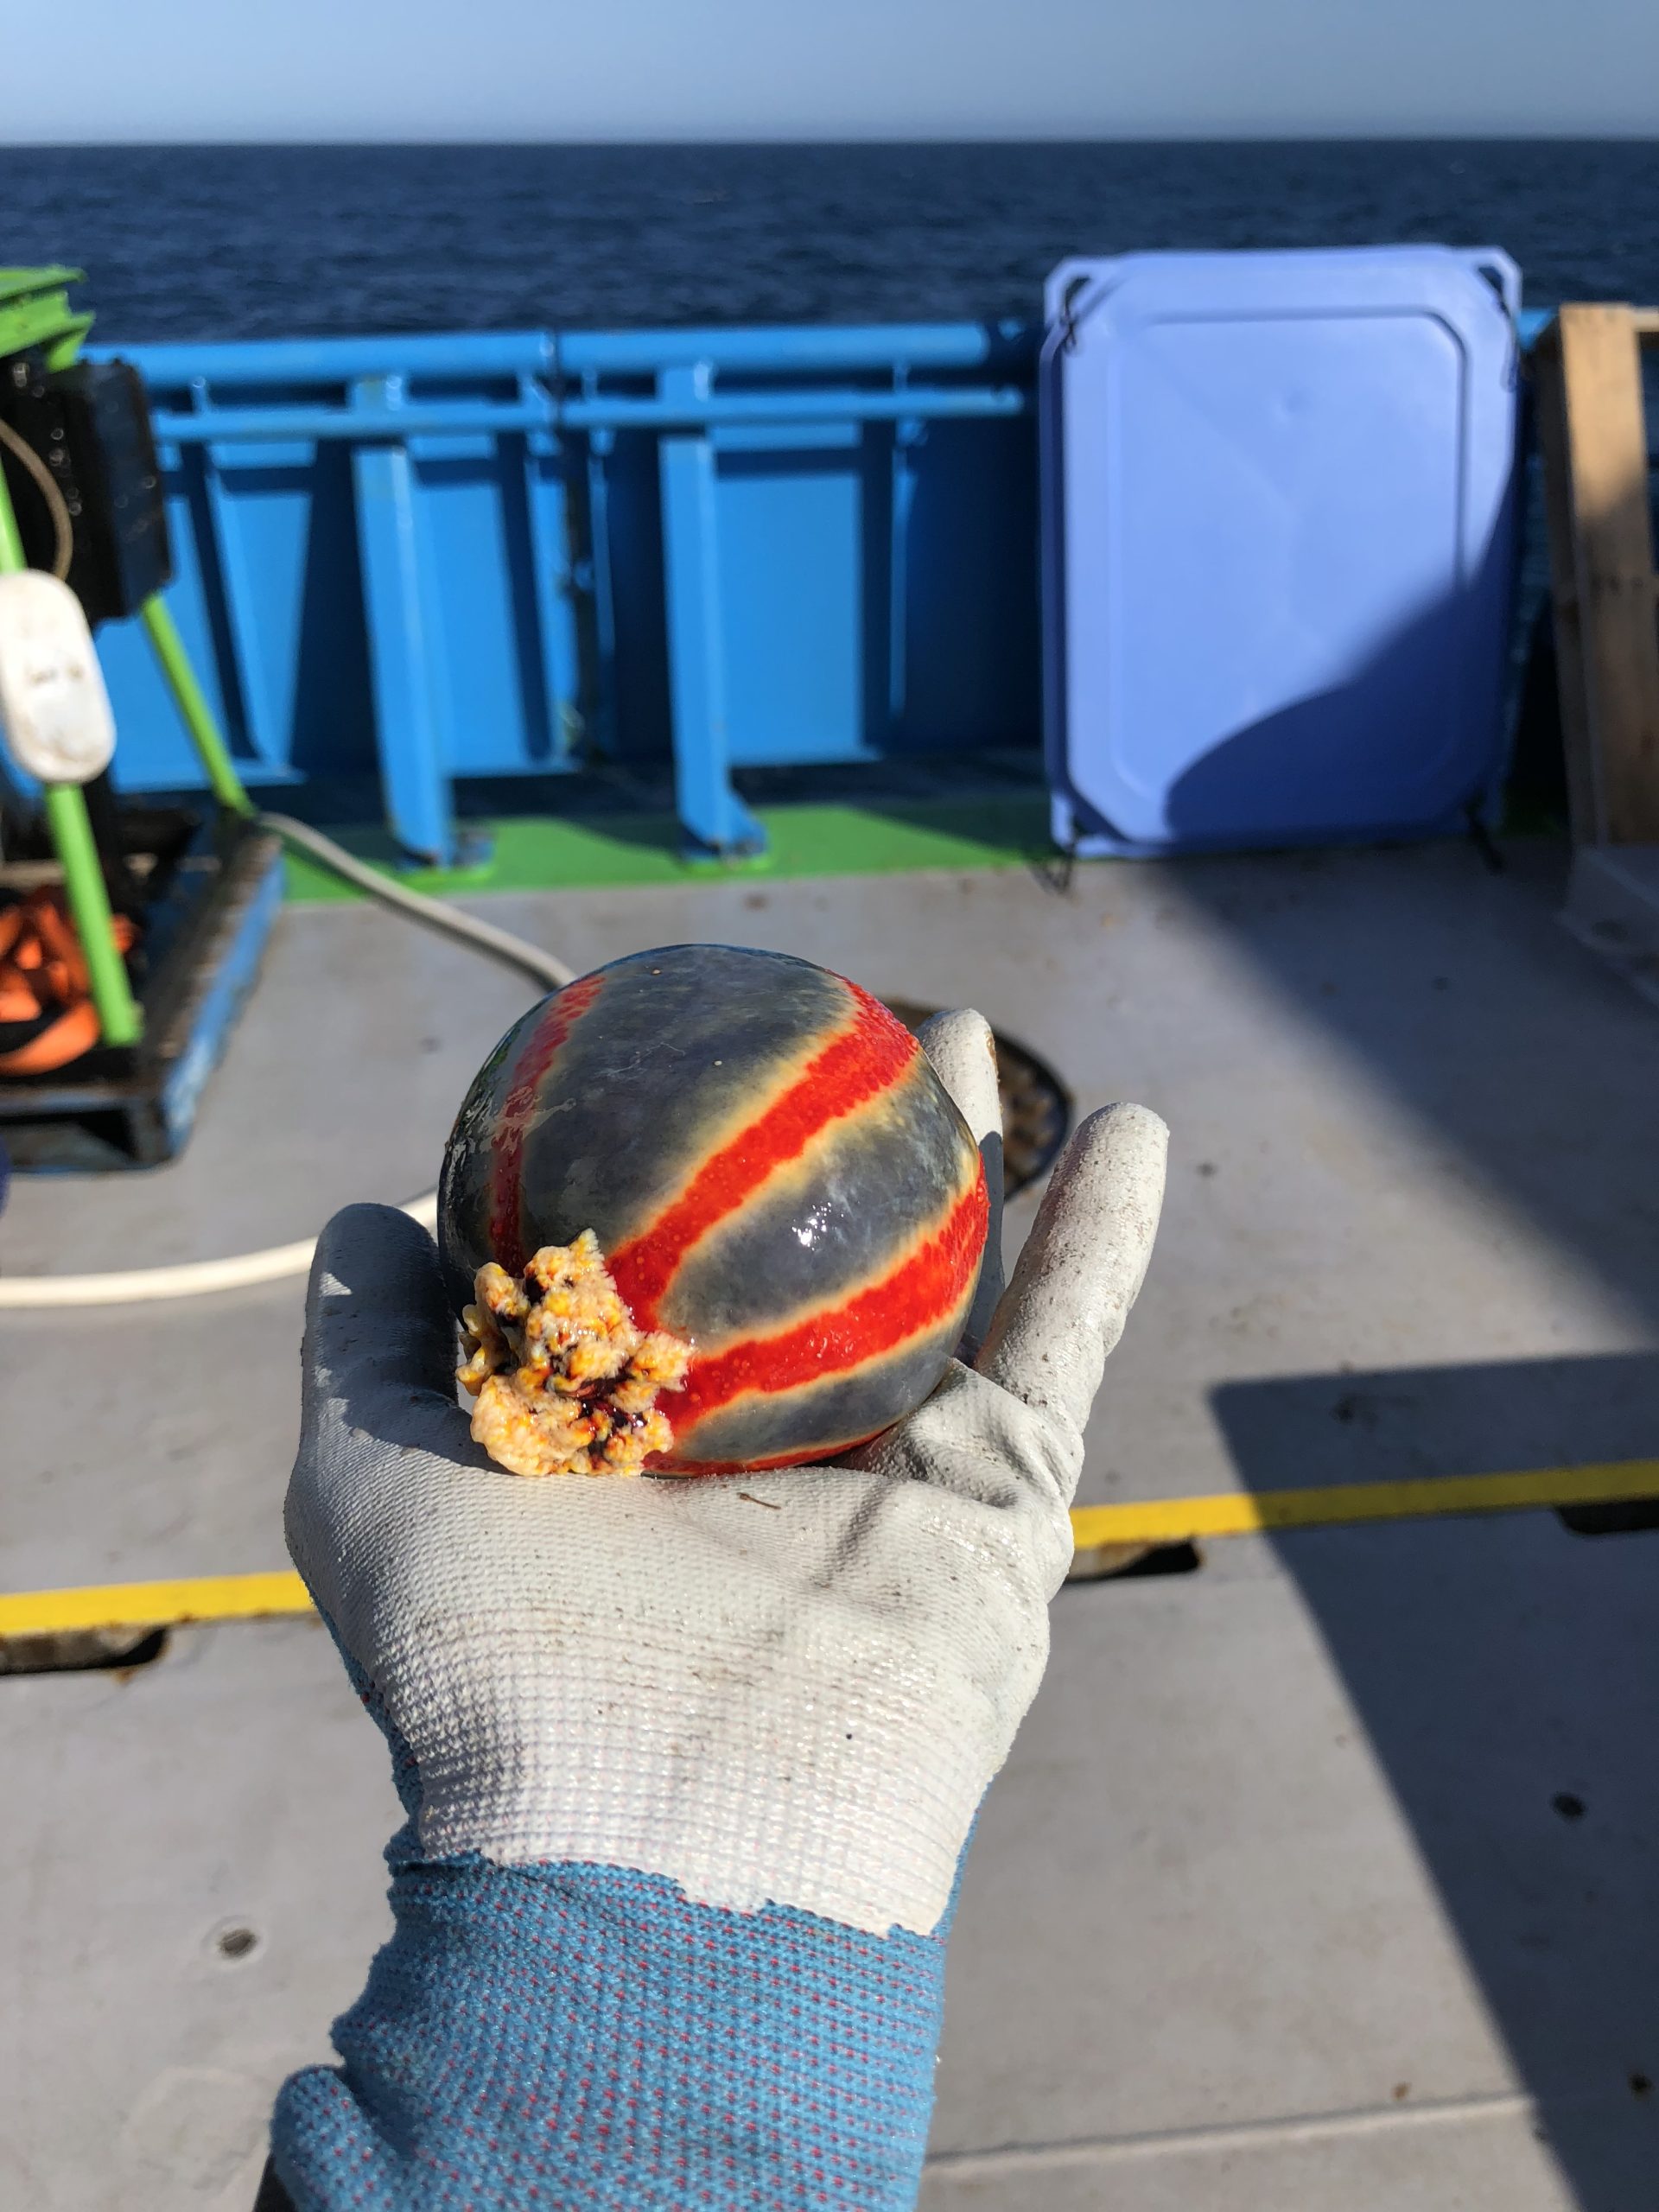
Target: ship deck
[[1321, 1873]]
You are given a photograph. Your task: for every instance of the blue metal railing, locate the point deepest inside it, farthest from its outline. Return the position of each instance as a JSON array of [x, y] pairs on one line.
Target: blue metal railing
[[413, 418], [503, 554]]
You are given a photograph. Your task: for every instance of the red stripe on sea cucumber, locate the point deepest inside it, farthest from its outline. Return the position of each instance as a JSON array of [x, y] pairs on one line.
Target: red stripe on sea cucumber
[[518, 1112], [859, 1064], [916, 1297]]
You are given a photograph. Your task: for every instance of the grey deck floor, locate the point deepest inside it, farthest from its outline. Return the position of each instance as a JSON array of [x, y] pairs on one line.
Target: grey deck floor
[[1275, 1904]]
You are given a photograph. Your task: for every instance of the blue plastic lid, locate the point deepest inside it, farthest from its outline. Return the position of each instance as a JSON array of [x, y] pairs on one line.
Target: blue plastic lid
[[1278, 504]]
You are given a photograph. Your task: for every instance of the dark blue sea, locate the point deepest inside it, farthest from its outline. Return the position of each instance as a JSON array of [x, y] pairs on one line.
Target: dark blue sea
[[256, 241]]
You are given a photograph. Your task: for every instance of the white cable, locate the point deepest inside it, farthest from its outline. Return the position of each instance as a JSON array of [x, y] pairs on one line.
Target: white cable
[[541, 967], [63, 528], [198, 1277], [190, 1279]]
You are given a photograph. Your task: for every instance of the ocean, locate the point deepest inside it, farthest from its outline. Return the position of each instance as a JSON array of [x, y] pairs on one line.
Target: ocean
[[258, 241]]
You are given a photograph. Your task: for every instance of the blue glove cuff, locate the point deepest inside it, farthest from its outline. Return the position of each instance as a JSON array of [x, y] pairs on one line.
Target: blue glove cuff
[[569, 2036]]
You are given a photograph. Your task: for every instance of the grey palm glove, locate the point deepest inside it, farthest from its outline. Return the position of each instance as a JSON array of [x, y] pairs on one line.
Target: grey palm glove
[[791, 1688]]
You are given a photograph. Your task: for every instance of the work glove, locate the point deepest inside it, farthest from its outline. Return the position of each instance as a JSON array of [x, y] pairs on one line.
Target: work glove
[[690, 1764]]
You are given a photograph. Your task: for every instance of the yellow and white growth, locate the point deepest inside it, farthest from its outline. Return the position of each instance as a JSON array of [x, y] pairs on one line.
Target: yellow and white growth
[[565, 1384]]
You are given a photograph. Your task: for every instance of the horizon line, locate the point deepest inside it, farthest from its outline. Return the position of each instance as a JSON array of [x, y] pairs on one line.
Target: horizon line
[[1167, 138]]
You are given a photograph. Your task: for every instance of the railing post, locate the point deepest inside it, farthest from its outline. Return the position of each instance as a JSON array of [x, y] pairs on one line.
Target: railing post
[[558, 646], [715, 819], [412, 772]]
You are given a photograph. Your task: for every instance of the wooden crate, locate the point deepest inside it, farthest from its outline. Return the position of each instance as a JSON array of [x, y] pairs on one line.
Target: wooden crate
[[1594, 437]]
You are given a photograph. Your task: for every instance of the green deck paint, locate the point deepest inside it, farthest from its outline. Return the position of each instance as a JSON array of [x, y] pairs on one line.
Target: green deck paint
[[620, 851]]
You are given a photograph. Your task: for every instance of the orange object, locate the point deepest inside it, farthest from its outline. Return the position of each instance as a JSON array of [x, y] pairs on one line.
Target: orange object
[[44, 987]]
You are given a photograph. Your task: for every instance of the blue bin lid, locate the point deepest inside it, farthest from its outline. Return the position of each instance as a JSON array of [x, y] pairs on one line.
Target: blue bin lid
[[1278, 500]]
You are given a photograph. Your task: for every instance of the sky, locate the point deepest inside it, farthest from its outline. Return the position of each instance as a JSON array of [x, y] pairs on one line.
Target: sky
[[766, 69]]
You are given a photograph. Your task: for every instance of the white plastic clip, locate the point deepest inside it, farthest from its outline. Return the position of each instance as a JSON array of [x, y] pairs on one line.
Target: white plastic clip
[[54, 711]]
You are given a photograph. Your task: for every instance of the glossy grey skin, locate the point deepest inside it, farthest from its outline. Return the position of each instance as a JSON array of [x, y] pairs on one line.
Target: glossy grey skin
[[825, 1417], [679, 1052], [686, 1035]]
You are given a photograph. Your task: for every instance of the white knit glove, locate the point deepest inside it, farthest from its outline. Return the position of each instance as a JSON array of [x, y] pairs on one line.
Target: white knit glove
[[791, 1688]]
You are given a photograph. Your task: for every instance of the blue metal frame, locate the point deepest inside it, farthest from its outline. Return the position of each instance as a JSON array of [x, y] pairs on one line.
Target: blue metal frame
[[715, 819], [627, 544], [400, 636], [673, 409]]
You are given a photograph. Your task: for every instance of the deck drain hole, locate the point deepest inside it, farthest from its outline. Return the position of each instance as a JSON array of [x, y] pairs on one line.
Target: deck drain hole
[[1036, 1104], [119, 1651], [1133, 1563], [1621, 1517], [272, 2197], [236, 1942], [1569, 1805]]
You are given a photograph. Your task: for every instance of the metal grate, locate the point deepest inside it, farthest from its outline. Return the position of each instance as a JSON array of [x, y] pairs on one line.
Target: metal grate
[[1036, 1104]]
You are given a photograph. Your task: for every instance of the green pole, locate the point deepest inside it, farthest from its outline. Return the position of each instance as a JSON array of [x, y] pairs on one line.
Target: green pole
[[83, 879], [198, 715], [118, 1018], [11, 546]]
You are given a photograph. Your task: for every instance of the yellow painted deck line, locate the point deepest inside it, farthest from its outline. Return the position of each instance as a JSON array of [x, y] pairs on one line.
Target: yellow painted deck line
[[1244, 1513], [153, 1605], [1147, 1521]]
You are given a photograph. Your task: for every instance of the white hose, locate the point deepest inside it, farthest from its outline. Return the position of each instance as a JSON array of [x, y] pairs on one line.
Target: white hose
[[63, 528], [190, 1279], [197, 1278], [437, 914]]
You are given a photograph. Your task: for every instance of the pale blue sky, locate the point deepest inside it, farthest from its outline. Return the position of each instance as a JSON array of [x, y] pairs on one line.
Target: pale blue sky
[[547, 69]]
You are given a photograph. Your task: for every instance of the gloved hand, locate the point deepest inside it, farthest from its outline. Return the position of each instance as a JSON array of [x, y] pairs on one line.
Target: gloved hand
[[690, 1765]]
